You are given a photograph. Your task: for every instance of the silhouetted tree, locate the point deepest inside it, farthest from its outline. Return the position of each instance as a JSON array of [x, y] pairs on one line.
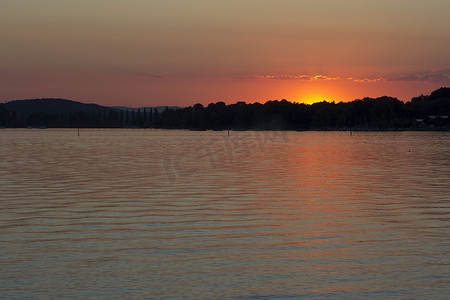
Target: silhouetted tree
[[369, 113], [4, 116]]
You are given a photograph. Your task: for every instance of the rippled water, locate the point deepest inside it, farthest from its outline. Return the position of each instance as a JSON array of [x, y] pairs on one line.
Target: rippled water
[[115, 214]]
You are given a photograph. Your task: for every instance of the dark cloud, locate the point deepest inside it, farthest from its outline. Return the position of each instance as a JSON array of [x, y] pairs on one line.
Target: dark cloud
[[441, 77]]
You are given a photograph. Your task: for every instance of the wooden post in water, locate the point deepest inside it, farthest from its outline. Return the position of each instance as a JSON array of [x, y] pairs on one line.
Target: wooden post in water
[[228, 132]]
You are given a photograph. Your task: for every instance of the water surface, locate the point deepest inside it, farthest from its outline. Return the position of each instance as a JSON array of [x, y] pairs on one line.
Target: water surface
[[115, 214]]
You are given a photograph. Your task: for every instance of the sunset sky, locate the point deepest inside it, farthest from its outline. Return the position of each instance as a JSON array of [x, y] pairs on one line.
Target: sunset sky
[[179, 52]]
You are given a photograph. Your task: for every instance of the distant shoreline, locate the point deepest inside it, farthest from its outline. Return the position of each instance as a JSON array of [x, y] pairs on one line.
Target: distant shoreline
[[446, 129], [422, 113]]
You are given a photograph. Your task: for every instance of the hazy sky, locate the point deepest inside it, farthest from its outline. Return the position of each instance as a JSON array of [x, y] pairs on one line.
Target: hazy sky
[[179, 52]]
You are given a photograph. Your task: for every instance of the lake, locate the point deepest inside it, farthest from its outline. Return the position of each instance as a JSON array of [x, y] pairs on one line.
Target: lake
[[161, 214]]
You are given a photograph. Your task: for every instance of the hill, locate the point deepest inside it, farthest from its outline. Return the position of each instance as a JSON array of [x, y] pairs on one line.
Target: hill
[[55, 112], [50, 106]]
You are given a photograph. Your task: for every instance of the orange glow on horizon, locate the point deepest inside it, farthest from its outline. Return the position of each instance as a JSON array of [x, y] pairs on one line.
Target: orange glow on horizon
[[141, 91], [311, 99], [319, 93]]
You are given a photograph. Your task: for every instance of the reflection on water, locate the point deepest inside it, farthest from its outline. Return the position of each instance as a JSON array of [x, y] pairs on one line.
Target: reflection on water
[[172, 214]]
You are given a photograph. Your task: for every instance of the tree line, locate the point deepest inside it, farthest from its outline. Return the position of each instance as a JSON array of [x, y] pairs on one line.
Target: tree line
[[105, 118], [383, 113]]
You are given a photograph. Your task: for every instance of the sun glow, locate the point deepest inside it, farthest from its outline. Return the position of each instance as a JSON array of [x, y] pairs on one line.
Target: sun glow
[[319, 91], [310, 99]]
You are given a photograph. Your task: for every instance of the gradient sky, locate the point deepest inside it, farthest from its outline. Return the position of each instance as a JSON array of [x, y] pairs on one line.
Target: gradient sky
[[179, 52]]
